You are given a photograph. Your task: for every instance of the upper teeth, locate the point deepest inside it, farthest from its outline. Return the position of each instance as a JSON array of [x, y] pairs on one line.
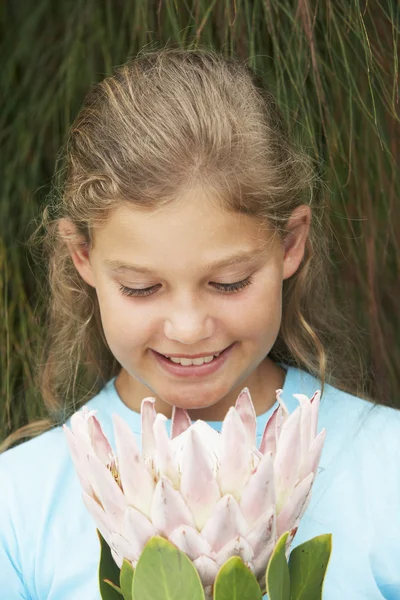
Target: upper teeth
[[186, 362]]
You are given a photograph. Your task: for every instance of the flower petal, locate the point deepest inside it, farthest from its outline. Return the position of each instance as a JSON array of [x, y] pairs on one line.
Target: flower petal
[[236, 547], [246, 411], [122, 547], [272, 429], [137, 482], [261, 561], [148, 416], [287, 459], [169, 510], [295, 507], [164, 456], [104, 523], [78, 453], [198, 485], [117, 558], [268, 439], [225, 523], [79, 421], [137, 530], [314, 455], [207, 569], [259, 494], [211, 442], [99, 441], [180, 421], [106, 489], [305, 426], [315, 403], [263, 532], [282, 415], [191, 542], [236, 455]]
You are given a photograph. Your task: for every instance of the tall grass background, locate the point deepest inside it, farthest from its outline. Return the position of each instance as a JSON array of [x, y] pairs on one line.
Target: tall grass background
[[333, 65]]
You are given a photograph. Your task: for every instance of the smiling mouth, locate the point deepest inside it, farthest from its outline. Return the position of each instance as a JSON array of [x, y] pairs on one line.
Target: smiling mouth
[[194, 356]]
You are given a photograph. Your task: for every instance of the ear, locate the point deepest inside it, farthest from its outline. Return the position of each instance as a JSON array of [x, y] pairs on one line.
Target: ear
[[78, 249], [294, 243]]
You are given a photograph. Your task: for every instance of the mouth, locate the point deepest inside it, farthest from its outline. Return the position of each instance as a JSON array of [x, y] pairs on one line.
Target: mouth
[[193, 370], [193, 357]]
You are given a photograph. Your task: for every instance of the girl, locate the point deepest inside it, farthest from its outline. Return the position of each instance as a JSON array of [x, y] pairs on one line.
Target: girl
[[191, 230]]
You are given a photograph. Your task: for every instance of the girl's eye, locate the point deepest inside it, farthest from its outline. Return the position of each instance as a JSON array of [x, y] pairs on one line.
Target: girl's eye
[[224, 287]]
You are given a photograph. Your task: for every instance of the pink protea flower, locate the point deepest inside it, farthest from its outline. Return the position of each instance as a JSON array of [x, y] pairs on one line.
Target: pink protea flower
[[214, 495]]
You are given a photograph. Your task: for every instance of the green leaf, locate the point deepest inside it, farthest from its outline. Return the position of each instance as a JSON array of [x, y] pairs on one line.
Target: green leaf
[[307, 566], [277, 575], [235, 581], [126, 579], [114, 587], [163, 572], [108, 570]]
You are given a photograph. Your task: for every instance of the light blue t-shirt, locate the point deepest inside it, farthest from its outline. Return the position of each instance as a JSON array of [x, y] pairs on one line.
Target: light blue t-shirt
[[48, 543]]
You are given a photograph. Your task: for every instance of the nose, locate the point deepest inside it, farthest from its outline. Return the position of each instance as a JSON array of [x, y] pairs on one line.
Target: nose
[[188, 323]]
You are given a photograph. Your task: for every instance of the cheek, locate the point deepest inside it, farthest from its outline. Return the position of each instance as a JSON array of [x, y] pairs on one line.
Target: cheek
[[261, 316], [124, 325]]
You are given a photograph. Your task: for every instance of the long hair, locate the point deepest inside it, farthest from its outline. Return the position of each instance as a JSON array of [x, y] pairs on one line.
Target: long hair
[[166, 120]]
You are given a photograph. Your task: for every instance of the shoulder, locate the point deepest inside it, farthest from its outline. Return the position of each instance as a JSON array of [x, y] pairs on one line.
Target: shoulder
[[36, 462], [355, 427], [373, 424], [345, 410], [35, 457], [29, 470]]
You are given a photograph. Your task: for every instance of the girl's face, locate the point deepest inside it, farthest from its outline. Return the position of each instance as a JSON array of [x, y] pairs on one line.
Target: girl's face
[[188, 307]]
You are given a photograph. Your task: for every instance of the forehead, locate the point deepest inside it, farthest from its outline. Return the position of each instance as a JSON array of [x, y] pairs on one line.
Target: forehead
[[191, 232], [193, 216]]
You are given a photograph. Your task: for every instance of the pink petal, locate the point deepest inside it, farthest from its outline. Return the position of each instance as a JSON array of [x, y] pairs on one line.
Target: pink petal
[[245, 410], [314, 455], [180, 421], [282, 415], [164, 457], [208, 592], [226, 522], [191, 542], [211, 441], [236, 547], [315, 403], [106, 489], [268, 440], [198, 484], [305, 425], [122, 548], [137, 530], [273, 427], [263, 531], [262, 559], [207, 569], [259, 494], [104, 523], [137, 483], [79, 421], [99, 441], [148, 416], [236, 456], [79, 459], [287, 459], [169, 510], [117, 558], [294, 508]]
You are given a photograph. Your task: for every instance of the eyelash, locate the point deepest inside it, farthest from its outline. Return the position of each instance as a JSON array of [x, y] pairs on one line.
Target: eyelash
[[224, 287]]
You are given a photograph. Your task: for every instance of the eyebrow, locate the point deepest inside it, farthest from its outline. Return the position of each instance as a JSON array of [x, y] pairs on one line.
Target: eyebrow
[[241, 257]]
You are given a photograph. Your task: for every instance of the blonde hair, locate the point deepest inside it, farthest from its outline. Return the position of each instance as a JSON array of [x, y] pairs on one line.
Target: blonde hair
[[166, 120]]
